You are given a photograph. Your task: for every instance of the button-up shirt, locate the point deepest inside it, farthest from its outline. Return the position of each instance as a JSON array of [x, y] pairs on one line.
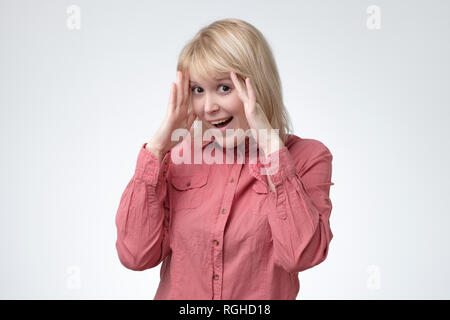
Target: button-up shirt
[[218, 229]]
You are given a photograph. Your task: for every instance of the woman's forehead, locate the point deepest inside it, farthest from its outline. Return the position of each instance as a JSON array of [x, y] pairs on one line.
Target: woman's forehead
[[211, 77]]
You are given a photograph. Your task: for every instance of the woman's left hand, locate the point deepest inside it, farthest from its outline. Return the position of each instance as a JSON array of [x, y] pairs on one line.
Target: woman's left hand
[[256, 117]]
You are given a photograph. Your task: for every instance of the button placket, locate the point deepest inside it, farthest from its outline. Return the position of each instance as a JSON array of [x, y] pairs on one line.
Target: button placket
[[164, 167], [217, 247]]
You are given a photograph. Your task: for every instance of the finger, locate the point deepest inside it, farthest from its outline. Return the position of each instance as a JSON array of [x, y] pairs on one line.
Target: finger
[[179, 89], [186, 86], [191, 118], [239, 87], [251, 92], [172, 96], [236, 82]]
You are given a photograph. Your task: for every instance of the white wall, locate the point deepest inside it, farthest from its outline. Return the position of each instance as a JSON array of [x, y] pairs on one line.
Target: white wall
[[76, 105]]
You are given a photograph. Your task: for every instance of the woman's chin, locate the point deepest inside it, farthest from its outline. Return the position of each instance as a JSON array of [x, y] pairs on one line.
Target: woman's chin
[[229, 142]]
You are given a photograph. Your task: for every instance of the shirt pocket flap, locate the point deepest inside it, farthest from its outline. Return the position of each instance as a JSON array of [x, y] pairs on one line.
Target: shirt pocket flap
[[259, 187], [189, 182]]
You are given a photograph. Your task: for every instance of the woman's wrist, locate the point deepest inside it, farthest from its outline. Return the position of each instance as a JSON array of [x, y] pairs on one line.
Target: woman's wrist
[[159, 153]]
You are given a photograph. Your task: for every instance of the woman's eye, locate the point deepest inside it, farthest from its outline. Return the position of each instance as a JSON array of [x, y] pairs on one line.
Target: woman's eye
[[227, 89], [193, 88]]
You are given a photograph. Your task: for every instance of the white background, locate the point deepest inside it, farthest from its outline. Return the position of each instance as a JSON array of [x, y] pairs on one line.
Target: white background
[[76, 106]]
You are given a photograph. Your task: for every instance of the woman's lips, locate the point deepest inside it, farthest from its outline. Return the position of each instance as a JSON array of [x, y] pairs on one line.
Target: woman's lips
[[225, 127]]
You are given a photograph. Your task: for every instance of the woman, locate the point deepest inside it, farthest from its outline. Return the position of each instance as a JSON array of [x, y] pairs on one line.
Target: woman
[[227, 230]]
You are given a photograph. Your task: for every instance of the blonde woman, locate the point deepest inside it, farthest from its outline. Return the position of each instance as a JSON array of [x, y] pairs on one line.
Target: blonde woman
[[232, 228]]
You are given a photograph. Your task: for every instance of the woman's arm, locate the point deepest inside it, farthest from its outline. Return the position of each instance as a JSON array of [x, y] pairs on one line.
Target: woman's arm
[[300, 222], [142, 219]]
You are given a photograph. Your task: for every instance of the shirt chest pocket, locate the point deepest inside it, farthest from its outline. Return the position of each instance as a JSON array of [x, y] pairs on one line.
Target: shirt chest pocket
[[260, 195], [188, 191]]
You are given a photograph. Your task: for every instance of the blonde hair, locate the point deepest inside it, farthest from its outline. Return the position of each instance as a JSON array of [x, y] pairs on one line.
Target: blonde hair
[[235, 45]]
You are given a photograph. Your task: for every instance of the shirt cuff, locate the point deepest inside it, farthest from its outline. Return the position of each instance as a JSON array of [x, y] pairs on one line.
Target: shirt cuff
[[147, 166], [278, 165]]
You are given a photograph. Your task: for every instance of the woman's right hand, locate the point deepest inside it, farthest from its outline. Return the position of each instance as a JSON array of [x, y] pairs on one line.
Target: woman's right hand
[[177, 116]]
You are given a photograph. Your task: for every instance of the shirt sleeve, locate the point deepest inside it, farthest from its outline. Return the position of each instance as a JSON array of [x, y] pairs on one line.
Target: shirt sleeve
[[300, 225], [142, 219]]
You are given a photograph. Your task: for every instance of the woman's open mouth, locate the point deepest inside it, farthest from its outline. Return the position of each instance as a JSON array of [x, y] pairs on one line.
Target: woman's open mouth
[[224, 123]]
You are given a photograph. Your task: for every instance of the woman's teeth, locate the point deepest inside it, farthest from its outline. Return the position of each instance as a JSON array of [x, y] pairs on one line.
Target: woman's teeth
[[223, 123]]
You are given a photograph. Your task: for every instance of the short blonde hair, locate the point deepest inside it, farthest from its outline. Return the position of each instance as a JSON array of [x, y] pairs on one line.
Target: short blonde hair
[[235, 45]]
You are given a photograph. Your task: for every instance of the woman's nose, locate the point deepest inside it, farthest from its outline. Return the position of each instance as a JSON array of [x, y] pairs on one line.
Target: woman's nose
[[210, 105]]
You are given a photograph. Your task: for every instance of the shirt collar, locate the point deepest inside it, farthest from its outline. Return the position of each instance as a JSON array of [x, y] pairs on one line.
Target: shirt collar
[[247, 144]]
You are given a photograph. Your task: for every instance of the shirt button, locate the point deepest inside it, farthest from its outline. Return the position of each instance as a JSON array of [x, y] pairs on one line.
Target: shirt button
[[188, 184], [327, 201], [216, 242], [216, 276], [224, 210], [231, 180]]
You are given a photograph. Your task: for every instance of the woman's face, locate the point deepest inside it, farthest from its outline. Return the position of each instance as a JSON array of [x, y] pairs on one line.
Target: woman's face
[[216, 99]]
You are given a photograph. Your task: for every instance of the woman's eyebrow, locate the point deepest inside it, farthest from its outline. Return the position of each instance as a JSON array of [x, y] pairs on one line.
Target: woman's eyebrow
[[225, 78], [218, 79]]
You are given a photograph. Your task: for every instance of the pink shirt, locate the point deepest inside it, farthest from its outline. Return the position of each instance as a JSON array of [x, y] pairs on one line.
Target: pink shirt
[[218, 229]]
